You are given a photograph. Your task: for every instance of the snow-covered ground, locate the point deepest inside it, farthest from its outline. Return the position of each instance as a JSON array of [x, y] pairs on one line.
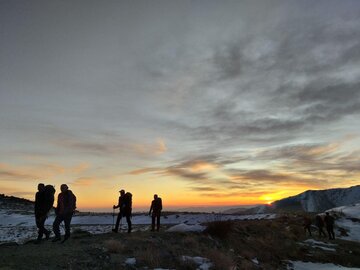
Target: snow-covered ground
[[21, 227], [349, 219], [316, 266]]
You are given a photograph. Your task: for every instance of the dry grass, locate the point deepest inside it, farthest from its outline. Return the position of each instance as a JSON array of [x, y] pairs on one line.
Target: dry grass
[[272, 242], [221, 260], [220, 229], [150, 257], [114, 246]]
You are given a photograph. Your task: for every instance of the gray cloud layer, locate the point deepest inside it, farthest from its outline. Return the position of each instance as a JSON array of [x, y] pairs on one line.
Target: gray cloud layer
[[222, 82]]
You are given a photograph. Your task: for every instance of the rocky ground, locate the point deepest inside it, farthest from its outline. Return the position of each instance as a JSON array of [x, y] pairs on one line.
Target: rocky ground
[[249, 244]]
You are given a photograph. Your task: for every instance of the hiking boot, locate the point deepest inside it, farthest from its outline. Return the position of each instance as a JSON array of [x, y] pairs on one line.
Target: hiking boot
[[56, 238], [65, 238], [47, 235]]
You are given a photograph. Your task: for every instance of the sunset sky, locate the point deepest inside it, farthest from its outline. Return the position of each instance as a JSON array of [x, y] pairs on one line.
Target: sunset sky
[[206, 103]]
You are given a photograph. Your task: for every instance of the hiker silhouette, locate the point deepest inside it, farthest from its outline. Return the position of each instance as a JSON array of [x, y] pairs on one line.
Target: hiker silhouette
[[329, 222], [125, 206], [155, 208], [307, 224], [44, 200], [66, 205], [319, 222]]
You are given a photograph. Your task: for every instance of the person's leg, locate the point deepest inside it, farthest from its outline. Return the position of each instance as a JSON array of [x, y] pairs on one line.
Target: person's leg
[[128, 220], [158, 222], [329, 232], [41, 226], [332, 233], [56, 227], [153, 222], [67, 221], [116, 229]]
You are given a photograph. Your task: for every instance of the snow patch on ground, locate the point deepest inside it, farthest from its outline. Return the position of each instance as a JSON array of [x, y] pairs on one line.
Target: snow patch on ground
[[21, 227], [321, 245], [203, 263], [186, 228], [296, 265], [349, 220], [130, 261]]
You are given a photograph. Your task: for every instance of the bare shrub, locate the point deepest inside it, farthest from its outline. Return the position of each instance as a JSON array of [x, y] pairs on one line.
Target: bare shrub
[[187, 265], [114, 246], [190, 241], [150, 257], [221, 260], [220, 229]]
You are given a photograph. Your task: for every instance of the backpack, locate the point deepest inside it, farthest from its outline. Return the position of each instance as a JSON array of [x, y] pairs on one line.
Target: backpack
[[128, 200], [48, 193], [71, 201]]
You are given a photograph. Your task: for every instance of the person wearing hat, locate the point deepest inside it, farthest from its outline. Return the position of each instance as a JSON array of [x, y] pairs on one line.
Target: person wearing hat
[[66, 205], [121, 212]]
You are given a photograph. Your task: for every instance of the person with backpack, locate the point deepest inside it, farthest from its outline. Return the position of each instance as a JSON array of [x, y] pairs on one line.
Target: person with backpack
[[329, 222], [120, 206], [66, 205], [125, 206], [307, 224], [44, 200], [319, 222], [156, 207]]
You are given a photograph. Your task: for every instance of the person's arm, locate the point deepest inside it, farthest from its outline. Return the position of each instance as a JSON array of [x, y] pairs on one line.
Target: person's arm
[[118, 205]]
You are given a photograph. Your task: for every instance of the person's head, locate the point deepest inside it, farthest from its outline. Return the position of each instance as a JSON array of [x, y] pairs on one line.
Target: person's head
[[41, 187], [155, 196], [327, 213], [64, 187], [122, 192]]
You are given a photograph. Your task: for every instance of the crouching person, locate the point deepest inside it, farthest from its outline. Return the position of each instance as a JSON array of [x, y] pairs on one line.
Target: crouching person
[[66, 205]]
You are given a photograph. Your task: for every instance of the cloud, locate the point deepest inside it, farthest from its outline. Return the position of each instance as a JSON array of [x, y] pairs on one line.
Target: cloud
[[143, 171], [112, 146], [84, 182], [10, 172]]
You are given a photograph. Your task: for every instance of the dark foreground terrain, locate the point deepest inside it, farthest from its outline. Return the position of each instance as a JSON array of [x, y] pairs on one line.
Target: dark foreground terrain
[[256, 244]]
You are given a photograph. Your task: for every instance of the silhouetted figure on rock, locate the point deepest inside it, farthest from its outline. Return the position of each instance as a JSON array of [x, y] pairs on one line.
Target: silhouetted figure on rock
[[329, 222], [307, 225], [155, 208], [319, 222]]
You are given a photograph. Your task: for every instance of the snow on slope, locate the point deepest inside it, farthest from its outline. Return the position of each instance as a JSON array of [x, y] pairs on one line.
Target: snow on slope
[[19, 228], [349, 220], [320, 200]]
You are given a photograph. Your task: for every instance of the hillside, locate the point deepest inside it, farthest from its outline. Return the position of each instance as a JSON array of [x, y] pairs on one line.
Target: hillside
[[15, 204], [319, 200], [248, 244], [308, 201]]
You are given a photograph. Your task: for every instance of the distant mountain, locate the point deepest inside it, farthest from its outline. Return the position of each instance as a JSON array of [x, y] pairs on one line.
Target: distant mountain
[[308, 201], [15, 204], [319, 200]]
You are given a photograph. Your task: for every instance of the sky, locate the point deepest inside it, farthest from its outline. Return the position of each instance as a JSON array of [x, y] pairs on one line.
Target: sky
[[206, 103]]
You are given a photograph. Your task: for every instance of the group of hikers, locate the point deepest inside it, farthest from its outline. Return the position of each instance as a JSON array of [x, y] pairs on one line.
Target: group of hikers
[[66, 205], [125, 206], [320, 222]]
